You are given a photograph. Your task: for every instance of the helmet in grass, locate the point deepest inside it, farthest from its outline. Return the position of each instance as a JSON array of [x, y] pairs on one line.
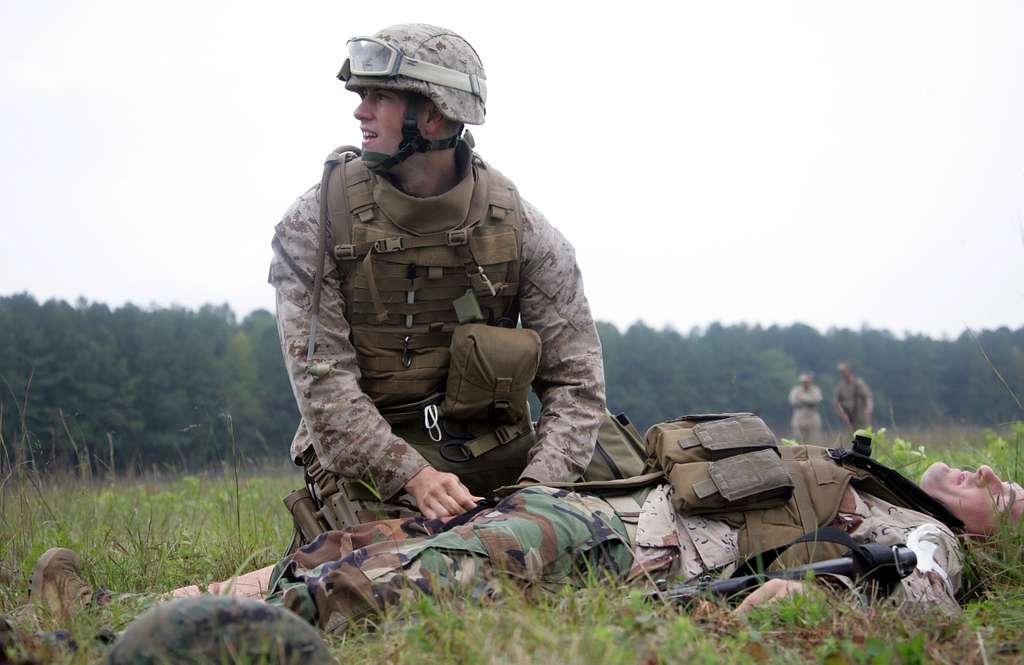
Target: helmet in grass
[[218, 629]]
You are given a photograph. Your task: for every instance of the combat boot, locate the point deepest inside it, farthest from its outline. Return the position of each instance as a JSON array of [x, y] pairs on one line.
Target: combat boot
[[57, 582]]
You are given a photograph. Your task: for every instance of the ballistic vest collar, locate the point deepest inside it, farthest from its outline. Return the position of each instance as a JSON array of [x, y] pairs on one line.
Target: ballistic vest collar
[[421, 216]]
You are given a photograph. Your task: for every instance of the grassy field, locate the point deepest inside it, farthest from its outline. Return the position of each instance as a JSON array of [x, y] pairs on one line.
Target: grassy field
[[155, 533]]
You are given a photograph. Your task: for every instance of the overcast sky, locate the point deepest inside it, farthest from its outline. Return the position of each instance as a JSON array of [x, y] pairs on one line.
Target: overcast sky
[[832, 163]]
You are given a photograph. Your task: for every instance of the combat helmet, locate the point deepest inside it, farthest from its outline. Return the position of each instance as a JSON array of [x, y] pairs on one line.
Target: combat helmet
[[424, 59], [218, 629]]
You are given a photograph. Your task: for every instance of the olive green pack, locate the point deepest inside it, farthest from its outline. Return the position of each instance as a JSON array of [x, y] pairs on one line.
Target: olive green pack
[[618, 451]]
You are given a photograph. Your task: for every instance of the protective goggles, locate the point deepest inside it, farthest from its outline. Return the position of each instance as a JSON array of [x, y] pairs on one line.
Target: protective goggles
[[371, 57]]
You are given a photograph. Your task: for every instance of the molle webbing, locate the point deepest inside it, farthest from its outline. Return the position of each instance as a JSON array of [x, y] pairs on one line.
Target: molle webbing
[[399, 288]]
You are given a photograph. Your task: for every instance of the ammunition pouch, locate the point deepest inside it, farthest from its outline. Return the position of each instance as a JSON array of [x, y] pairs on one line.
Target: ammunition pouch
[[747, 481], [490, 373], [707, 437], [720, 462]]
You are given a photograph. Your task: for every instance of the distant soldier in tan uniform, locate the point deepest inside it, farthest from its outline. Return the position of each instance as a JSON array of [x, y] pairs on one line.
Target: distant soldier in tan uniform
[[852, 400], [414, 259], [805, 397]]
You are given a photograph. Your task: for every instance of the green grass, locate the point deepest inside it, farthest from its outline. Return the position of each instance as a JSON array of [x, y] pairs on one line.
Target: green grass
[[153, 534]]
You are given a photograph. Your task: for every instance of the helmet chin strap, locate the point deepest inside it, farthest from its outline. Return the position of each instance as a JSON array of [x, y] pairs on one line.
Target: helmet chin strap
[[412, 141]]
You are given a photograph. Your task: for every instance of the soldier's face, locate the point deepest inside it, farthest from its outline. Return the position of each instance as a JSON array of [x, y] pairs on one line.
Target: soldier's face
[[380, 115], [978, 498]]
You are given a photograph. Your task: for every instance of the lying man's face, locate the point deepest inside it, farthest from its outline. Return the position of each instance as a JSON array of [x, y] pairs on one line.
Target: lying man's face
[[978, 498]]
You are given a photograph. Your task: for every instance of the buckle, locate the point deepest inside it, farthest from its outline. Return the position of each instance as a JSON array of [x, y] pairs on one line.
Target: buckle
[[504, 434], [387, 245], [342, 252], [457, 237], [837, 454]]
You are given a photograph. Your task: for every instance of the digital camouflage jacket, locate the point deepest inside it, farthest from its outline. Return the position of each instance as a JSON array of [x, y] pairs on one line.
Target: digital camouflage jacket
[[340, 421]]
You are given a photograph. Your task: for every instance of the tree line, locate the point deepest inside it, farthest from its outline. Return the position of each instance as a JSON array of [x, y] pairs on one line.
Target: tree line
[[133, 387]]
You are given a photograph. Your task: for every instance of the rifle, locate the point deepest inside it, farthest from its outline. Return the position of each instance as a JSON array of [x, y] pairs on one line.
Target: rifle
[[879, 567]]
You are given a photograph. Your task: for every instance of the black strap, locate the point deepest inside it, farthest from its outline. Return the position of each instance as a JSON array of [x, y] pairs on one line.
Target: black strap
[[459, 520], [412, 141], [905, 490]]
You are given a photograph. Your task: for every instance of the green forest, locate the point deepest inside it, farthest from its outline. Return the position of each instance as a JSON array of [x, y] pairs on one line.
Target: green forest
[[137, 388]]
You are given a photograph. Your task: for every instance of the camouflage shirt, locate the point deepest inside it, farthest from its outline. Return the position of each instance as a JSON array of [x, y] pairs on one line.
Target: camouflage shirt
[[339, 420], [687, 547]]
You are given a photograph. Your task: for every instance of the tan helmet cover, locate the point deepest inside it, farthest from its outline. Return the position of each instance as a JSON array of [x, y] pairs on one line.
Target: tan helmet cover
[[439, 46]]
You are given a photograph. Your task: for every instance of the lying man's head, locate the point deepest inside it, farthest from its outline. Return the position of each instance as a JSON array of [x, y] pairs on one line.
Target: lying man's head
[[979, 498]]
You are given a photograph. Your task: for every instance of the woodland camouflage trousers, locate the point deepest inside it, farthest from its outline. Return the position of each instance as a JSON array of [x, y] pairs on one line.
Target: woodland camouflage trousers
[[538, 535]]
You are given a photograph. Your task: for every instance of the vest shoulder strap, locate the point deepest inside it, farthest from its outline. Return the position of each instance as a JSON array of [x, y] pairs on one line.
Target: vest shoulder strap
[[502, 197], [339, 199], [890, 485]]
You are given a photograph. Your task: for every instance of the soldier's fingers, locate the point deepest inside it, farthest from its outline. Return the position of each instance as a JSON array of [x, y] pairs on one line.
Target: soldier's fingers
[[458, 492], [451, 506], [759, 596], [463, 496], [767, 592], [430, 508]]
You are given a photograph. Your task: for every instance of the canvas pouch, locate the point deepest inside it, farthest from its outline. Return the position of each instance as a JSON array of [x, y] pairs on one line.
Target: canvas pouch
[[722, 461], [490, 373]]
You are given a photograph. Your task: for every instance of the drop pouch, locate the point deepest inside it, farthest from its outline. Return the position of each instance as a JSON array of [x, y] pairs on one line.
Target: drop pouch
[[707, 438], [748, 481], [490, 373]]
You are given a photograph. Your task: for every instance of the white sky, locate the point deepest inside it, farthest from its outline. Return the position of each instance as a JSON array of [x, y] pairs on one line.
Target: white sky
[[832, 163]]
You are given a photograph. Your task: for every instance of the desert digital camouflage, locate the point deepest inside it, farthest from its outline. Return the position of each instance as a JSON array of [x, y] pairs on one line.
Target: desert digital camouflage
[[438, 46], [341, 421]]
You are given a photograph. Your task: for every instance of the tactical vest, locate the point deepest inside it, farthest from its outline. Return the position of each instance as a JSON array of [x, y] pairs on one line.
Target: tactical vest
[[730, 467], [400, 286]]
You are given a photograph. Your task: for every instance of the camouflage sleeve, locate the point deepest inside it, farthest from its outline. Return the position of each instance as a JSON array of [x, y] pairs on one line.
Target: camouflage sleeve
[[570, 380], [349, 435], [938, 586], [935, 581]]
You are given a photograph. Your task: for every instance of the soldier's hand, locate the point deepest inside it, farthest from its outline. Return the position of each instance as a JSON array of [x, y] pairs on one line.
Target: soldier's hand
[[440, 494], [769, 591]]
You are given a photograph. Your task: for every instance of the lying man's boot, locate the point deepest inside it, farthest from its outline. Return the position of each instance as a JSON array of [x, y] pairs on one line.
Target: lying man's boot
[[57, 582]]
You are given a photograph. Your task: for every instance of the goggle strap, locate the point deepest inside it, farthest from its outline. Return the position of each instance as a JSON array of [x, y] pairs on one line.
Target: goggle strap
[[431, 73], [423, 71]]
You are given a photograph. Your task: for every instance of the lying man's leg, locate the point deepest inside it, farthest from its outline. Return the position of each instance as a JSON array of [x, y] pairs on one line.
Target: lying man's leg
[[337, 544], [57, 583], [539, 535]]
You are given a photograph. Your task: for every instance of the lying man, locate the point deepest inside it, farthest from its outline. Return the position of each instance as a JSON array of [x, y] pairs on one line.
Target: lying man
[[548, 536]]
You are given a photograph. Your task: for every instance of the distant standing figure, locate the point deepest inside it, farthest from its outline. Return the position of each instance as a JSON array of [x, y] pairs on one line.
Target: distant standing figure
[[852, 400], [805, 397]]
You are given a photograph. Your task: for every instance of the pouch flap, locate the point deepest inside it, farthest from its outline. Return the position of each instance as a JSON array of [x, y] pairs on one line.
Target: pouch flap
[[491, 245], [746, 431], [759, 473]]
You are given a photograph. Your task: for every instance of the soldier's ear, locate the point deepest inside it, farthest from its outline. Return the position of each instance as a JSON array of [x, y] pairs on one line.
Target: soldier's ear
[[434, 121]]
